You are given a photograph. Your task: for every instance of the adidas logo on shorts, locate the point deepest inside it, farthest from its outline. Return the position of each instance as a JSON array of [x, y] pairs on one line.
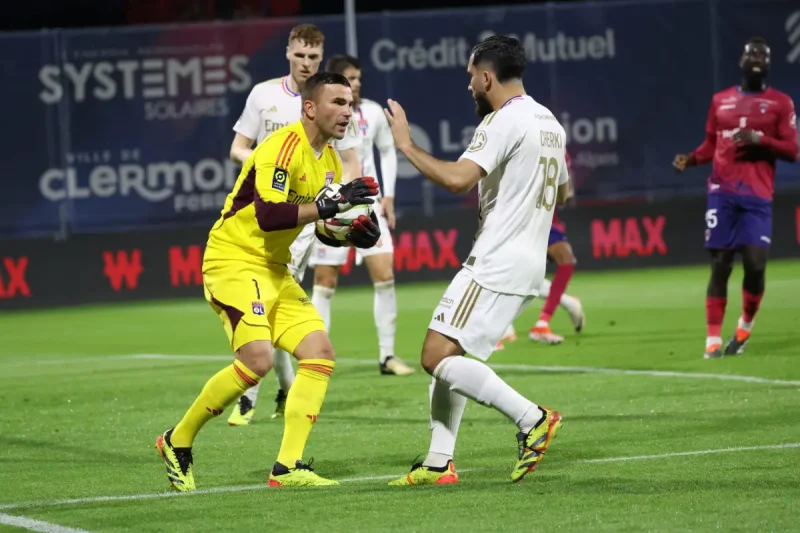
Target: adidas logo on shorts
[[439, 317]]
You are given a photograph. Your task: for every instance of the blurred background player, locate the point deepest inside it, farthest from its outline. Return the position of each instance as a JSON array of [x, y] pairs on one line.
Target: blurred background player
[[270, 106], [749, 127], [247, 281], [375, 131], [559, 251], [516, 158]]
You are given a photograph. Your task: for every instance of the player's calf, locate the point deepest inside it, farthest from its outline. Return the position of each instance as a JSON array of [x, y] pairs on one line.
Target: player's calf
[[381, 272], [316, 360], [561, 253], [716, 301]]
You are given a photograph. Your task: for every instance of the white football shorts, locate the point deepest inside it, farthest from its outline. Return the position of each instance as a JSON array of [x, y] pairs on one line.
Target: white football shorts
[[332, 256], [301, 252], [475, 316]]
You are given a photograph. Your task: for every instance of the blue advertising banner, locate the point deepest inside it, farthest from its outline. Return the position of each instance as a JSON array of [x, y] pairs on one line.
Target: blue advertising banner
[[130, 127]]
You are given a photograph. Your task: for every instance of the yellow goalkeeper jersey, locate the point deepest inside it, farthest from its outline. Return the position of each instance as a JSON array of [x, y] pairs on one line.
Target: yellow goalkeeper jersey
[[283, 168]]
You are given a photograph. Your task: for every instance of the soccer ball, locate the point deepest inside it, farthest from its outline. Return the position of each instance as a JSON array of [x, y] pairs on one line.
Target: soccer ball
[[339, 226]]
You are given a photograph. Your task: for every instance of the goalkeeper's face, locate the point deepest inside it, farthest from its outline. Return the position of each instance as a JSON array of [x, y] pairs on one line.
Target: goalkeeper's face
[[333, 109]]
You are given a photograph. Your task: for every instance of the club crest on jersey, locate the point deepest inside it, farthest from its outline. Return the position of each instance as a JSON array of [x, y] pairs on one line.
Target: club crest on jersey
[[478, 141], [279, 179], [329, 177], [763, 107], [362, 126], [258, 308]]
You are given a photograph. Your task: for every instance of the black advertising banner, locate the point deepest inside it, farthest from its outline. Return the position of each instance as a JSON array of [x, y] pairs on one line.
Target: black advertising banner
[[111, 267]]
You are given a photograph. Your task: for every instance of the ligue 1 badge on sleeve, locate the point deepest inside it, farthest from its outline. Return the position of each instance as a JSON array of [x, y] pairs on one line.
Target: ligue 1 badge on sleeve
[[258, 308]]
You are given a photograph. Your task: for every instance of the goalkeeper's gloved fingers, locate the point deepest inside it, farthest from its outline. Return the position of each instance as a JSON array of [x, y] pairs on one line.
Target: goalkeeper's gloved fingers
[[364, 224]]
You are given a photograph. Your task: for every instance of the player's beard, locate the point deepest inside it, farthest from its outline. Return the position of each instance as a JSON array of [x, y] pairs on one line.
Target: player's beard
[[754, 80], [482, 105]]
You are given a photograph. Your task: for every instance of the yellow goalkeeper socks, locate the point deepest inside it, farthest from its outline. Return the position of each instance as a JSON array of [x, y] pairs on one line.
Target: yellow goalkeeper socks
[[302, 407], [220, 391]]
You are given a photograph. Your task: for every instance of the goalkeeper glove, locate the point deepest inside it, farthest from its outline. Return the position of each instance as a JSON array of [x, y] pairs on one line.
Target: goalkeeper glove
[[350, 194], [364, 232], [327, 240]]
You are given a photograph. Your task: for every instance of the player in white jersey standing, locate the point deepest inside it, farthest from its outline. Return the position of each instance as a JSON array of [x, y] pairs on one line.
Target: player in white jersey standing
[[517, 160], [270, 106], [326, 260]]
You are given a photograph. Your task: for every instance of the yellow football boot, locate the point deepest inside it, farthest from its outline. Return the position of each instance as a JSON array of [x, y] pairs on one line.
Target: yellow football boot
[[178, 462], [243, 412], [533, 444], [302, 475], [428, 475]]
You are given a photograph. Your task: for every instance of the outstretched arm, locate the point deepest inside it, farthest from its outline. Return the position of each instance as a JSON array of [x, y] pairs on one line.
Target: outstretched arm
[[458, 177]]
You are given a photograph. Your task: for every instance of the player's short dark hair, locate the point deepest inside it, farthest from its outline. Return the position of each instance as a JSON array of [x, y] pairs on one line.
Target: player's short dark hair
[[320, 79], [505, 55], [341, 62], [757, 40]]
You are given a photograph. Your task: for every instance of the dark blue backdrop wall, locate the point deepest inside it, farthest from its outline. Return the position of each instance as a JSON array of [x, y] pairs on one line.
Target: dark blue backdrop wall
[[130, 127]]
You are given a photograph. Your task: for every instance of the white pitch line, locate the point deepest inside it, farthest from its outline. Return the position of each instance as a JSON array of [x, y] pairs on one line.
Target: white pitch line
[[695, 452], [173, 494], [261, 486], [36, 525], [536, 368]]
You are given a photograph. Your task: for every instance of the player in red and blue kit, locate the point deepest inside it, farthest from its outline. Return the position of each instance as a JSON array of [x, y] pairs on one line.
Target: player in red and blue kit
[[749, 128]]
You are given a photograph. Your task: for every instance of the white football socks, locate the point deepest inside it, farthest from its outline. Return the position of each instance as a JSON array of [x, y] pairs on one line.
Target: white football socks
[[252, 393], [566, 300], [447, 408], [475, 380], [321, 300], [284, 371], [385, 312], [711, 341]]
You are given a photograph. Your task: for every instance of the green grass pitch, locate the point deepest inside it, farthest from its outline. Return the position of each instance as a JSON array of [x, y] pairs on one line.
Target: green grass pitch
[[655, 438]]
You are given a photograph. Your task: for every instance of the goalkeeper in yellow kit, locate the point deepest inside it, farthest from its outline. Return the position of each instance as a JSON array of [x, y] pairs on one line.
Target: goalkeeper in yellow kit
[[247, 282]]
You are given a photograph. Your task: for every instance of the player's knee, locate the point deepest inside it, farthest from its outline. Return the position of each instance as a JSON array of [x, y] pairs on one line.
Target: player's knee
[[436, 349], [562, 254], [315, 345], [326, 352], [381, 268], [721, 265], [383, 278], [430, 360], [754, 261], [257, 357], [325, 276]]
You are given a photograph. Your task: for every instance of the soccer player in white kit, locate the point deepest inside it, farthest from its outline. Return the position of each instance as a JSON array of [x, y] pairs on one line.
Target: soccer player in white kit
[[517, 159], [379, 259], [270, 106]]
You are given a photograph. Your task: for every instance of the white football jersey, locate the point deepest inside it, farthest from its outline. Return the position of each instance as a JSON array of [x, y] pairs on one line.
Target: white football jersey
[[375, 132], [272, 105], [521, 147]]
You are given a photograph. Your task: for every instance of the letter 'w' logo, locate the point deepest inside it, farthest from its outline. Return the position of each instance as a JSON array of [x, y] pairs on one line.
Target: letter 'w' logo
[[793, 36], [122, 268]]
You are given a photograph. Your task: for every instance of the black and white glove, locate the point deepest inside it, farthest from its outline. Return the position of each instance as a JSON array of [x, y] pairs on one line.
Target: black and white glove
[[350, 194], [364, 232], [327, 241]]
